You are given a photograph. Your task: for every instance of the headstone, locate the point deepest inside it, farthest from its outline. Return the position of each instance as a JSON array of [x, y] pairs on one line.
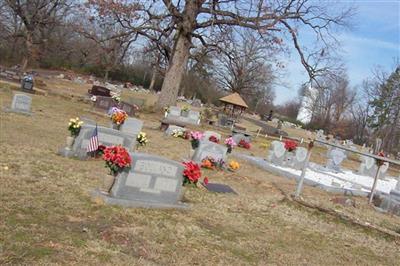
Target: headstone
[[21, 103], [299, 158], [132, 126], [128, 108], [368, 167], [208, 134], [220, 188], [209, 149], [27, 83], [335, 158], [105, 103], [87, 121], [276, 152], [193, 117], [106, 136], [152, 181], [174, 111], [99, 91], [239, 136]]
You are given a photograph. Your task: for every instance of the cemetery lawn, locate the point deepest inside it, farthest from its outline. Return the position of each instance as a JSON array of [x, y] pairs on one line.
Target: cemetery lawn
[[48, 216]]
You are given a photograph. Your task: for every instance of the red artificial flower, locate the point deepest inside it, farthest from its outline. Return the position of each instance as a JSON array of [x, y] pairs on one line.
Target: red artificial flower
[[244, 144], [116, 157], [205, 181], [290, 145], [213, 139], [192, 172]]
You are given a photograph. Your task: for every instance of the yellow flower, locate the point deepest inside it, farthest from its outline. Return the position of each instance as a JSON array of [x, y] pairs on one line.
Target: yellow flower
[[70, 123], [77, 118]]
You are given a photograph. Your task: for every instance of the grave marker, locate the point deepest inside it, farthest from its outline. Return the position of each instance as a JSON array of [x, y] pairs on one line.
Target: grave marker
[[21, 103], [276, 152], [106, 136], [335, 158], [152, 181], [132, 126], [209, 149], [208, 134]]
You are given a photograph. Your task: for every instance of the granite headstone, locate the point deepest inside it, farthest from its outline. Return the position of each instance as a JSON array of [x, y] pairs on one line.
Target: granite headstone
[[21, 103], [209, 149], [152, 181]]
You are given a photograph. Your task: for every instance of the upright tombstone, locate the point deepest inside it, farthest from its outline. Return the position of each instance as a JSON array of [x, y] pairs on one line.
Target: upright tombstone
[[27, 84], [208, 134], [209, 149], [99, 91], [21, 103], [276, 153], [193, 117], [105, 103], [335, 158], [174, 112], [299, 158], [132, 126], [152, 181], [106, 136], [368, 167], [128, 108], [237, 137]]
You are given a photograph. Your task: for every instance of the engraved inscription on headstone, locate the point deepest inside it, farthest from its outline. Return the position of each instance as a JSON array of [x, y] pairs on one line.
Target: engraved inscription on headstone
[[152, 180]]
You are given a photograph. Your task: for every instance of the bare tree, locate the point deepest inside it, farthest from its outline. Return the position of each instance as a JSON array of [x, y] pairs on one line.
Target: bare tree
[[197, 22], [244, 67], [36, 16]]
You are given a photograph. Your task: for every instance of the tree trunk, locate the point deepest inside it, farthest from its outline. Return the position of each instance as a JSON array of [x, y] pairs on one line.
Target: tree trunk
[[175, 72], [153, 79], [29, 50], [106, 75]]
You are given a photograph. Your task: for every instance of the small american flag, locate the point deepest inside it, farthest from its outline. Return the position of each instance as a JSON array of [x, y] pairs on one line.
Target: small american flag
[[93, 142]]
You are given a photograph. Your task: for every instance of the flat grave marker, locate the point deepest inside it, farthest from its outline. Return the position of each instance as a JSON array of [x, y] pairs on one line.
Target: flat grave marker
[[21, 103]]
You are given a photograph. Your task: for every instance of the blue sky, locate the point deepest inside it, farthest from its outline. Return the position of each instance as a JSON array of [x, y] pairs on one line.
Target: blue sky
[[373, 40]]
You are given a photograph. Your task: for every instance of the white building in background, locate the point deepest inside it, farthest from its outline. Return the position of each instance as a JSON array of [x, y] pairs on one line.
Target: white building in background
[[305, 110]]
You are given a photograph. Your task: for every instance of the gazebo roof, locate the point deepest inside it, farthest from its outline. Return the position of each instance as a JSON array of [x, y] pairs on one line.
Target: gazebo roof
[[234, 99]]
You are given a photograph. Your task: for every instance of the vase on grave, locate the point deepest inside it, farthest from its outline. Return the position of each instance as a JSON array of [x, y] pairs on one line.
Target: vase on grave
[[108, 182], [70, 142], [195, 143], [229, 150], [116, 126]]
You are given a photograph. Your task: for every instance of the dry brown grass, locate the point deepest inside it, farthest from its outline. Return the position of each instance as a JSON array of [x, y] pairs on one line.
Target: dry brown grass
[[48, 217]]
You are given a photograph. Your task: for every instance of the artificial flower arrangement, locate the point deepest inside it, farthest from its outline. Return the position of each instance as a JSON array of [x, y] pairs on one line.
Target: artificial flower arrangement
[[380, 162], [142, 139], [230, 143], [290, 145], [195, 136], [117, 159], [191, 173], [185, 108], [233, 165], [244, 144], [178, 133], [116, 97], [211, 163], [74, 126], [118, 116], [213, 139]]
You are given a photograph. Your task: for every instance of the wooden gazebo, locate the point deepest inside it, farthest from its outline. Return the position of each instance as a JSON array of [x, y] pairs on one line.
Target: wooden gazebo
[[234, 105]]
